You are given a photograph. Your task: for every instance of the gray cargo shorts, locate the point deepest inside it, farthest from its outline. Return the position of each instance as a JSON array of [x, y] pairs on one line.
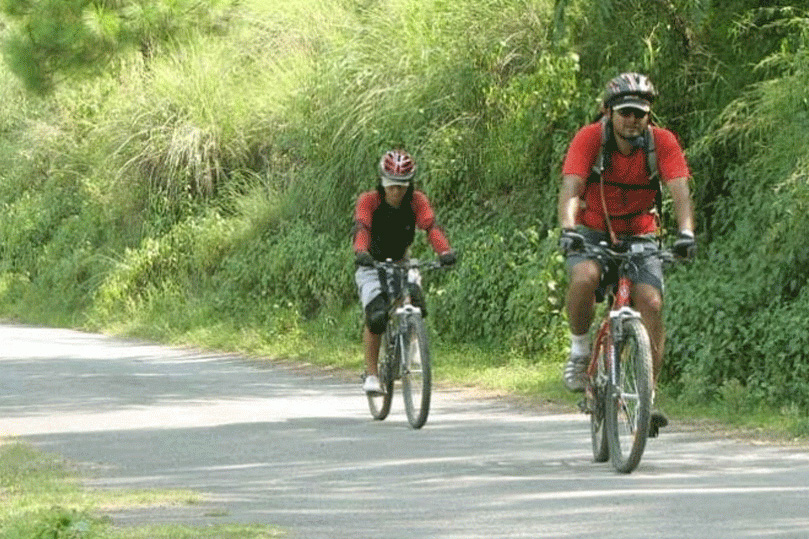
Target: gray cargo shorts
[[650, 271], [369, 285]]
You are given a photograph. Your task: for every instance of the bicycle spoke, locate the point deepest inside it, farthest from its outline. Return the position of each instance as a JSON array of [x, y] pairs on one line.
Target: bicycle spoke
[[379, 403], [416, 381], [629, 405], [596, 393]]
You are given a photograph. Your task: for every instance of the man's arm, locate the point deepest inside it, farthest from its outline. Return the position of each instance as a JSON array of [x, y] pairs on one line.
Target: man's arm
[[570, 200], [683, 208]]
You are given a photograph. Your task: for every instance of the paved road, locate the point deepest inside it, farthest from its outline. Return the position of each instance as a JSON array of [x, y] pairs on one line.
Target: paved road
[[297, 448]]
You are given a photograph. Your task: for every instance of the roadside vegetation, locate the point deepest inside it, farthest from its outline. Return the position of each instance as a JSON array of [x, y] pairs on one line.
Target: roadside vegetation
[[42, 498], [197, 184]]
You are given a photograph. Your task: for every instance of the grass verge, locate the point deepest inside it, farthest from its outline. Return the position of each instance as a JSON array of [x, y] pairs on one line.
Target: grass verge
[[41, 496]]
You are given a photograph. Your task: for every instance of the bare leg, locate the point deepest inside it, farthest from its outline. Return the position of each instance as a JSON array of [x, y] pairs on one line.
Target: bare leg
[[371, 342], [584, 280], [648, 301]]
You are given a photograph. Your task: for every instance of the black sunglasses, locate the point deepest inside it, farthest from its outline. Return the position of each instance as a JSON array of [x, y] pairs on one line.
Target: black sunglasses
[[629, 111]]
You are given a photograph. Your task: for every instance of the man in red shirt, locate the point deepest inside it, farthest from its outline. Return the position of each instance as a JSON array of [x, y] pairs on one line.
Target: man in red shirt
[[385, 222], [623, 213]]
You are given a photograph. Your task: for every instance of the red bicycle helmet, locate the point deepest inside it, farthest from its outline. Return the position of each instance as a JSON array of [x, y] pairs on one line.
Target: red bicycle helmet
[[397, 167], [629, 85]]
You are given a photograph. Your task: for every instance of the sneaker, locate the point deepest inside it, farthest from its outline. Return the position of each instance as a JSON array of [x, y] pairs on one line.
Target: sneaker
[[371, 384], [657, 422], [575, 372]]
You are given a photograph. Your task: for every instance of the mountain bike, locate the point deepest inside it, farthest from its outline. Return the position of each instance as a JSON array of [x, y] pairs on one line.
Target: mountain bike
[[404, 351], [619, 381]]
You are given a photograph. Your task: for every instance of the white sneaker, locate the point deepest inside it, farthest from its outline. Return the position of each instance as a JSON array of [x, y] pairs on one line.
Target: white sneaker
[[371, 384], [575, 372]]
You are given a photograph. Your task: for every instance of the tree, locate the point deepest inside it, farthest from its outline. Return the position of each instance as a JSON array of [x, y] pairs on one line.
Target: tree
[[51, 39]]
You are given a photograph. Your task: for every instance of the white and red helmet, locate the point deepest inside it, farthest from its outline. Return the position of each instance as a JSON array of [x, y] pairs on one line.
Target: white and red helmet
[[397, 168]]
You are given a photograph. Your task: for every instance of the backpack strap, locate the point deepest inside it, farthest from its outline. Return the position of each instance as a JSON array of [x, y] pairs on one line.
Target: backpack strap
[[601, 163], [654, 173], [651, 154], [599, 166]]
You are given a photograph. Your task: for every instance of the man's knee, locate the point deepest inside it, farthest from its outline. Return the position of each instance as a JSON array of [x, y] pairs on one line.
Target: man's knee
[[646, 298], [585, 276], [376, 315]]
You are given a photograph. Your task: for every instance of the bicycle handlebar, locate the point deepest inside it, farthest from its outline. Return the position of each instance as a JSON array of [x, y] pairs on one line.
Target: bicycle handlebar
[[667, 256], [410, 263]]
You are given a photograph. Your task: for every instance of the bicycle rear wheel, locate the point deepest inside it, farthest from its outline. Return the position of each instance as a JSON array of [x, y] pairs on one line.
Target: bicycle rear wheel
[[629, 397], [416, 375], [597, 392], [379, 403]]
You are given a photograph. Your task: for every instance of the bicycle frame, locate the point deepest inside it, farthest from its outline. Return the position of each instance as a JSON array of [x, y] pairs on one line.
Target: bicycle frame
[[610, 328], [619, 308]]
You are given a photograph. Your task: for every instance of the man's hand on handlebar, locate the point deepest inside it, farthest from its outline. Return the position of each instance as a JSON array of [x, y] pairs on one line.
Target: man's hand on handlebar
[[570, 240], [447, 259], [685, 246]]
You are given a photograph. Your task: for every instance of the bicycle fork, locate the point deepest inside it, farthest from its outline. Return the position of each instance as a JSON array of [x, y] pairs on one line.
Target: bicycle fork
[[404, 313], [617, 319]]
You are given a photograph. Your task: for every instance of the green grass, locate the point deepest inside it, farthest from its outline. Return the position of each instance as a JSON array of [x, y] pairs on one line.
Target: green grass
[[42, 496]]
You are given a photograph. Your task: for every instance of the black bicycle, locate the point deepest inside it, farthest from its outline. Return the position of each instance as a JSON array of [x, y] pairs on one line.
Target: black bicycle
[[404, 351]]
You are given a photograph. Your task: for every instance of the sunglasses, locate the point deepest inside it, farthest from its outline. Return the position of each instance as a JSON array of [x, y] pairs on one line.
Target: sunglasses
[[629, 111]]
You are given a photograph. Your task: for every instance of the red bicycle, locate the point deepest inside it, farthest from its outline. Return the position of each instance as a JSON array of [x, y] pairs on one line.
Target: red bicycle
[[618, 392]]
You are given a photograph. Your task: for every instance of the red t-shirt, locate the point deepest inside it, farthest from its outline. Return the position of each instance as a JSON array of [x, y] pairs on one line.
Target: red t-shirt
[[626, 182]]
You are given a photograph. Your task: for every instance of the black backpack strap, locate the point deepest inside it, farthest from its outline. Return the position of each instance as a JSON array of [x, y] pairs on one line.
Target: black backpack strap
[[602, 159], [654, 173]]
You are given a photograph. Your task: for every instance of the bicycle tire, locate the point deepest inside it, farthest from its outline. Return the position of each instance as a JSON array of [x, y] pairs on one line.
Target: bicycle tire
[[629, 397], [416, 373], [597, 392], [379, 403]]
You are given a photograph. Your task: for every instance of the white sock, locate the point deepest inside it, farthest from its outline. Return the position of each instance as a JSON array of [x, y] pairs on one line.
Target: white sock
[[580, 345]]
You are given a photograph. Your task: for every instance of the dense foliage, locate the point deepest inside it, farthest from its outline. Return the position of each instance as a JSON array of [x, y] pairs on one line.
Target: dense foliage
[[54, 38], [210, 184]]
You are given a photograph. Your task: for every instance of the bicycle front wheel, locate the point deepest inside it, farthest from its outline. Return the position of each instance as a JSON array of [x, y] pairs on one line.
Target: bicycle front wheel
[[379, 403], [416, 375], [629, 397], [597, 392]]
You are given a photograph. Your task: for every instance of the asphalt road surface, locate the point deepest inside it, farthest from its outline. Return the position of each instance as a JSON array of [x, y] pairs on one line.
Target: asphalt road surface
[[297, 448]]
